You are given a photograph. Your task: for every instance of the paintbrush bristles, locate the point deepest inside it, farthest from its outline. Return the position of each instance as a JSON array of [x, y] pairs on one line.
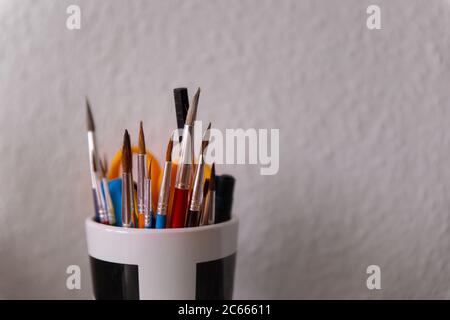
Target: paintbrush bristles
[[205, 140], [142, 149], [192, 112], [169, 150], [212, 178], [94, 162], [89, 118], [103, 166], [149, 171], [126, 153]]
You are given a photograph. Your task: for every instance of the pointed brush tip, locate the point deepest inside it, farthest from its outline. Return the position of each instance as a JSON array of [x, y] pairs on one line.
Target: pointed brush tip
[[89, 117], [142, 149], [169, 151], [192, 112], [126, 153]]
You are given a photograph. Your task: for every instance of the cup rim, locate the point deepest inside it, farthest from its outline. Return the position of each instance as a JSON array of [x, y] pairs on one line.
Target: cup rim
[[91, 223]]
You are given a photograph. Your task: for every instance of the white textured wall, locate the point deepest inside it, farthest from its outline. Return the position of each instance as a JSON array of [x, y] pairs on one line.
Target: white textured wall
[[364, 124]]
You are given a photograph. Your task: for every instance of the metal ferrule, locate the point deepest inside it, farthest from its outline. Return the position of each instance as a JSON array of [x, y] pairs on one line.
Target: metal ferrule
[[109, 203], [197, 189], [102, 214], [127, 200], [142, 174], [184, 171], [147, 203], [208, 215], [91, 146], [164, 191]]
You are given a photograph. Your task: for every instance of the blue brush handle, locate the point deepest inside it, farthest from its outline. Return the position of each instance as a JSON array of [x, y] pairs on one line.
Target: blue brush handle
[[160, 221], [115, 190]]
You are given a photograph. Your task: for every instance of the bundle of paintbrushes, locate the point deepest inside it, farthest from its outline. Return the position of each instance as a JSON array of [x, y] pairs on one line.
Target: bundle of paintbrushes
[[184, 193]]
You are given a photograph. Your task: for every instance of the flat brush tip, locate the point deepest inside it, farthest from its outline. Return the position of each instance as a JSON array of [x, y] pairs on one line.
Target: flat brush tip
[[89, 117]]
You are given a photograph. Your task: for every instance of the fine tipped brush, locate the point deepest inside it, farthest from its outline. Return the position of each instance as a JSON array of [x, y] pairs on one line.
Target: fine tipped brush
[[108, 200], [92, 149], [89, 118], [164, 191], [127, 183], [148, 197], [144, 220], [184, 169], [98, 195], [196, 195]]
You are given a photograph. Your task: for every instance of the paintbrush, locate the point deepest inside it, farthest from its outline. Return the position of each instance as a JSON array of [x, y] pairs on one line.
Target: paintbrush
[[127, 183], [92, 159], [143, 221], [196, 195], [148, 214], [164, 190], [184, 169], [205, 193], [98, 196]]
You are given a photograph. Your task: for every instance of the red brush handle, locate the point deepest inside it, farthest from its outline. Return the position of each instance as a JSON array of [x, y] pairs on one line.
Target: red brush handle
[[180, 204]]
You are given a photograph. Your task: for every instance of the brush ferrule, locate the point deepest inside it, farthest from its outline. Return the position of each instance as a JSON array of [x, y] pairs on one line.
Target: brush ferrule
[[142, 173], [197, 189], [109, 203], [208, 215], [127, 200], [184, 172], [164, 191], [102, 214], [147, 203]]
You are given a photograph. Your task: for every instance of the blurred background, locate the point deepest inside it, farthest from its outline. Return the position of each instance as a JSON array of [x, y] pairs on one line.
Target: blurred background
[[363, 118]]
